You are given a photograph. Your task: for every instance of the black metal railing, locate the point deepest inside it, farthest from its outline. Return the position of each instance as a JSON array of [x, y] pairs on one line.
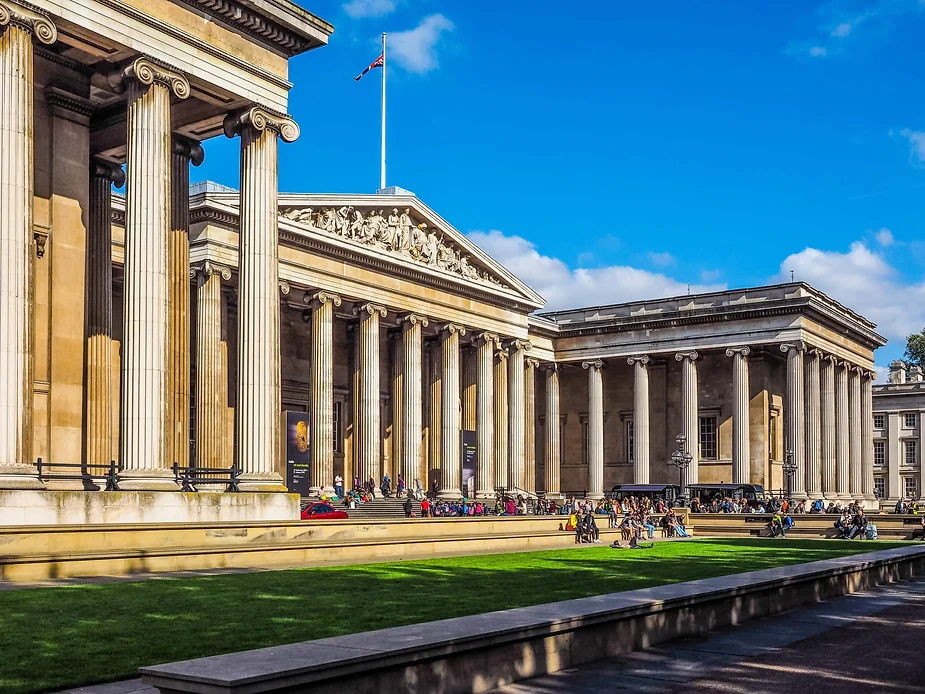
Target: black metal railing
[[189, 477], [83, 473]]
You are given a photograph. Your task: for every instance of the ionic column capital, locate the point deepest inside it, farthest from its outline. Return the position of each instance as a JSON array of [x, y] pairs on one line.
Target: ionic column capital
[[415, 319], [520, 345], [453, 328], [370, 308], [787, 347], [487, 338], [502, 354], [148, 71], [741, 351], [320, 298], [550, 367], [596, 364], [532, 362], [284, 287], [638, 358], [261, 118], [691, 355], [30, 18], [207, 268], [189, 149], [108, 171]]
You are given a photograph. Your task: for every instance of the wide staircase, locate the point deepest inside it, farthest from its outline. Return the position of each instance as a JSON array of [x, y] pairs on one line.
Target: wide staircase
[[381, 508]]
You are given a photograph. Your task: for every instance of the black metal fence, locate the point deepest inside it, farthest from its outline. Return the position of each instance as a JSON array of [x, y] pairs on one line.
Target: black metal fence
[[188, 478]]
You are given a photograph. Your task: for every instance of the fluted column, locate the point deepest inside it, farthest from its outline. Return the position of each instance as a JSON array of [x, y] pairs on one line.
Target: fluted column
[[18, 26], [435, 410], [211, 379], [176, 447], [829, 483], [485, 416], [854, 432], [469, 361], [99, 410], [794, 413], [515, 413], [690, 420], [740, 402], [258, 396], [396, 404], [530, 424], [553, 449], [867, 438], [813, 432], [842, 433], [595, 428], [452, 470], [369, 443], [145, 429], [501, 423], [412, 369], [640, 419], [321, 411]]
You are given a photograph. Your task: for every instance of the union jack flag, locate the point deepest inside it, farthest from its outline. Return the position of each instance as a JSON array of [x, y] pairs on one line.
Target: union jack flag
[[376, 63]]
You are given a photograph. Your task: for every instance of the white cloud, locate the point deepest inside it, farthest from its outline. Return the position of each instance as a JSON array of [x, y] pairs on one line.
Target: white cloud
[[885, 237], [862, 280], [360, 9], [708, 276], [415, 50], [563, 287], [842, 30], [661, 258], [916, 145], [818, 51]]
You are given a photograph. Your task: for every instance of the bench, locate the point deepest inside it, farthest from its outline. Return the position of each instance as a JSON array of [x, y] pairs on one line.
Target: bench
[[188, 477], [49, 471]]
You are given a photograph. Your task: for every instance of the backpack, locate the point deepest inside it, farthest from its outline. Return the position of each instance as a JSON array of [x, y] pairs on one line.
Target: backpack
[[871, 533]]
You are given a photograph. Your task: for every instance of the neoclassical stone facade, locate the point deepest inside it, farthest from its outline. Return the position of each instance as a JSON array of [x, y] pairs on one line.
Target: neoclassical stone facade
[[899, 406]]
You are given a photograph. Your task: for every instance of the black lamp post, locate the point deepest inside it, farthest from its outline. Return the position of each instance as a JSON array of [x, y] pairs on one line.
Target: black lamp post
[[790, 469], [682, 459]]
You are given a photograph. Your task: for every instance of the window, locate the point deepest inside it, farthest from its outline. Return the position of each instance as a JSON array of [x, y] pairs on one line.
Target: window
[[910, 489], [878, 421], [910, 458], [338, 418], [630, 442], [879, 453], [909, 421], [880, 487], [708, 438]]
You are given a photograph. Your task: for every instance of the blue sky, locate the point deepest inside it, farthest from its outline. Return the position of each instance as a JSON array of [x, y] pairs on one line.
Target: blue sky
[[612, 151]]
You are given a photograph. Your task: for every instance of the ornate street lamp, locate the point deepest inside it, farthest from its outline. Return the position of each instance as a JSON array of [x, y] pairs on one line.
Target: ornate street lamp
[[682, 459], [790, 469]]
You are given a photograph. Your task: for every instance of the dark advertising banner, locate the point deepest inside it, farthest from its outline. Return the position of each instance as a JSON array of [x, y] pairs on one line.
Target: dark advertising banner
[[469, 462], [298, 456]]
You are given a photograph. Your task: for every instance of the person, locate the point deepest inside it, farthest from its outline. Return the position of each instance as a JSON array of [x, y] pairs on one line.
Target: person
[[900, 506], [418, 489], [425, 508], [786, 524], [386, 486], [646, 521], [818, 506], [339, 486], [409, 507], [776, 524], [510, 508], [677, 525], [858, 525], [400, 488], [572, 521], [434, 487]]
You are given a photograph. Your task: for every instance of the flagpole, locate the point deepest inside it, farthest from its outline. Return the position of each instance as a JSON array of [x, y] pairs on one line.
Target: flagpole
[[382, 163]]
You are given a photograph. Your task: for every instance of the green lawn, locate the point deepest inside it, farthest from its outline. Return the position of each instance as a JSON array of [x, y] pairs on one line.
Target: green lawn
[[52, 638]]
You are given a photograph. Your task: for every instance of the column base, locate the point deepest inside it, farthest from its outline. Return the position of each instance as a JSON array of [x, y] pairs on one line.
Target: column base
[[449, 494], [595, 495], [261, 482], [23, 476], [148, 481], [485, 494], [815, 495]]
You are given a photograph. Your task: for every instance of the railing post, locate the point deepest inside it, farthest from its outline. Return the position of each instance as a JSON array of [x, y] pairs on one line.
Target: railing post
[[38, 465]]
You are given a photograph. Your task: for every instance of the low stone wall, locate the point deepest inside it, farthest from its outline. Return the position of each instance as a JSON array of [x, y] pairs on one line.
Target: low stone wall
[[56, 507], [889, 526], [481, 652]]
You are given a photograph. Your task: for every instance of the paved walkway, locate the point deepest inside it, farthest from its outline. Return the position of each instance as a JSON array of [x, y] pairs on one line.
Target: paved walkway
[[868, 641]]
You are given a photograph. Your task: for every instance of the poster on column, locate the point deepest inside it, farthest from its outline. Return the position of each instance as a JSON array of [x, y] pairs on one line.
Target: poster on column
[[469, 455], [298, 455]]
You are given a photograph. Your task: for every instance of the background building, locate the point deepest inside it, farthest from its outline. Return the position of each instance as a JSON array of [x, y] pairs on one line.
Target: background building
[[898, 409]]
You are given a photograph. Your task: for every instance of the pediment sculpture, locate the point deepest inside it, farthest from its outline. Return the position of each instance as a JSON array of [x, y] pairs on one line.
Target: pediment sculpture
[[396, 232]]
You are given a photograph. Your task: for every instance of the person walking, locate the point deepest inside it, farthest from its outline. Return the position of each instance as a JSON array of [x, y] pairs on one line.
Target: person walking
[[339, 486]]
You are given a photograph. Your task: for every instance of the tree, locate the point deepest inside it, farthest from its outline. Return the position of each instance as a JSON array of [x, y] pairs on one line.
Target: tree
[[915, 349]]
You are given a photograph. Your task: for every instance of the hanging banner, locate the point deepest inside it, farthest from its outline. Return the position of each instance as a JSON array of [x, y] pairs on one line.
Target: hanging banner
[[469, 462], [298, 455]]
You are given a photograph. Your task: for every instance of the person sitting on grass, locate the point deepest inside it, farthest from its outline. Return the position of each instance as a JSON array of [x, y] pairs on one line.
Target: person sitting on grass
[[632, 544]]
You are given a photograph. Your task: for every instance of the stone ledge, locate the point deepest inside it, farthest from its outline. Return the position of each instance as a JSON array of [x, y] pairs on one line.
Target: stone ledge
[[481, 652]]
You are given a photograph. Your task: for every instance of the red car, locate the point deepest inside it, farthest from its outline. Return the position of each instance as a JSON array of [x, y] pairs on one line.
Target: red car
[[319, 511]]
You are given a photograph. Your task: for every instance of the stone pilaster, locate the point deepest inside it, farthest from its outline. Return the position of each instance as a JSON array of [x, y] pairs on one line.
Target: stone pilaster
[[867, 438], [530, 424], [553, 448], [740, 400], [145, 429], [501, 420], [368, 431], [258, 398], [485, 417], [515, 413], [854, 432], [795, 412], [412, 368], [451, 470], [176, 447], [99, 395], [640, 418], [829, 477], [321, 411], [690, 419], [17, 29], [813, 431], [211, 377], [595, 428], [842, 433]]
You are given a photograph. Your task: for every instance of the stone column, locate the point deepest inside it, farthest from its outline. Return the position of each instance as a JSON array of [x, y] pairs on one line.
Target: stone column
[[145, 430], [396, 405], [258, 398], [690, 419], [452, 470], [640, 419], [485, 422], [99, 411], [369, 444], [435, 413], [18, 27], [867, 439], [412, 368], [321, 411], [469, 396], [530, 424], [515, 413], [211, 379], [553, 443], [740, 401], [501, 407], [854, 432], [842, 433], [813, 431], [595, 429], [829, 484], [795, 410]]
